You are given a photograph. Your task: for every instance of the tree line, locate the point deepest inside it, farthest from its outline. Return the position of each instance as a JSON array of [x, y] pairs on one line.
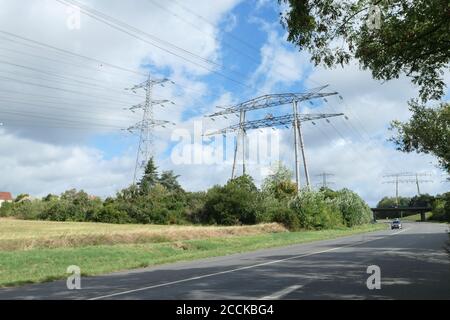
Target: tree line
[[439, 205], [159, 199]]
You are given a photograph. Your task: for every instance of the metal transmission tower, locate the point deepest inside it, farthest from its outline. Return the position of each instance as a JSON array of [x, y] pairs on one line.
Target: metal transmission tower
[[268, 101], [406, 177], [146, 126], [325, 183]]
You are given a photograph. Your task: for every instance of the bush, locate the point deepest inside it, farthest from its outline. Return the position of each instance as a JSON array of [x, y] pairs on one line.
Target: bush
[[233, 204], [316, 212], [110, 213], [354, 210], [7, 209], [29, 210]]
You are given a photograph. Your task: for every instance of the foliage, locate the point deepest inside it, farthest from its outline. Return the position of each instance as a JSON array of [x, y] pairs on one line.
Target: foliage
[[234, 203], [354, 210], [423, 200], [316, 212], [6, 209], [391, 202], [428, 131], [150, 177], [161, 200], [410, 38]]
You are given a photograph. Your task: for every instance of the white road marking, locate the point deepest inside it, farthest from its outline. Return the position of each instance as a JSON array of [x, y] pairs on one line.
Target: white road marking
[[238, 269], [280, 294]]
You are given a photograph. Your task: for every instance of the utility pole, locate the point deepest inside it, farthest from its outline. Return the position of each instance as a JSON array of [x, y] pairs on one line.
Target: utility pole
[[295, 127], [295, 119], [302, 147], [407, 177], [324, 176], [148, 123], [240, 139]]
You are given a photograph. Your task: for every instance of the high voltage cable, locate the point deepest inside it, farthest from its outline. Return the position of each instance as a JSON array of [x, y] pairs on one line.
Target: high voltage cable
[[210, 23], [73, 102], [107, 22], [38, 44], [32, 104], [94, 13], [88, 85], [27, 114], [53, 88], [242, 53]]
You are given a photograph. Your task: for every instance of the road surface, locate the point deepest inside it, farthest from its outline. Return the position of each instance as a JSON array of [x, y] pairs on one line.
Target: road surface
[[412, 261]]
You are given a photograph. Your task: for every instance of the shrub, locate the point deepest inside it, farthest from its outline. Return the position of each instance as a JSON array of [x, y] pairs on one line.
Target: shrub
[[354, 210], [7, 209], [233, 204], [29, 210], [316, 212], [110, 213]]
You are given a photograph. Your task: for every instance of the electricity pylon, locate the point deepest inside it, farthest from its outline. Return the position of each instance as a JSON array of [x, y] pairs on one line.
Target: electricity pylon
[[325, 183], [295, 120], [405, 176], [146, 126]]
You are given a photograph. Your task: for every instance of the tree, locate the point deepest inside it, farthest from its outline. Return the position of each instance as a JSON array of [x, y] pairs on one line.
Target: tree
[[170, 181], [388, 37], [150, 177], [279, 183], [233, 204], [428, 131], [391, 202]]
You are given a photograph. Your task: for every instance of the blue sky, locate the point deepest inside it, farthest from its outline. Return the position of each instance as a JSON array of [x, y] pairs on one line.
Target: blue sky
[[63, 113]]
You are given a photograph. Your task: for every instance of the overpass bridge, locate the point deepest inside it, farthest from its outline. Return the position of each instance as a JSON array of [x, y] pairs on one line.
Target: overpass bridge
[[398, 212]]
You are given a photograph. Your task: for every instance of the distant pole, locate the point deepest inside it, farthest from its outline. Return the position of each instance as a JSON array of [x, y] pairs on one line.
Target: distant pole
[[396, 191], [295, 127], [238, 140], [302, 147], [244, 133], [417, 183]]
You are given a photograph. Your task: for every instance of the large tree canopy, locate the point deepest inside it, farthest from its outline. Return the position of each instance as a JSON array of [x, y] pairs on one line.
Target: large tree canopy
[[428, 131], [388, 37]]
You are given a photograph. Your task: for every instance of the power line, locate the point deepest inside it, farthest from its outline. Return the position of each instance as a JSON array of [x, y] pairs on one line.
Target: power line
[[324, 177], [127, 29], [295, 120], [148, 123], [405, 177], [36, 44]]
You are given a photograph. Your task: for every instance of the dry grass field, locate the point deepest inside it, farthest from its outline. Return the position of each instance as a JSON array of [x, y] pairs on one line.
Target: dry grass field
[[27, 235]]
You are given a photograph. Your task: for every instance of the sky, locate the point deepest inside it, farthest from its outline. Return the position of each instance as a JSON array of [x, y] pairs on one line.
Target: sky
[[65, 110]]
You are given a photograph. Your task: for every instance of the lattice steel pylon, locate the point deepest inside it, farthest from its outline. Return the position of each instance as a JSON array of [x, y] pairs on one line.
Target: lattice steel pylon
[[146, 126], [405, 176], [325, 182], [295, 119]]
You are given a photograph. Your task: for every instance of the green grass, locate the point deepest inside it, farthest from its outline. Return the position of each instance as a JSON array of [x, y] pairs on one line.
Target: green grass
[[416, 217], [40, 265]]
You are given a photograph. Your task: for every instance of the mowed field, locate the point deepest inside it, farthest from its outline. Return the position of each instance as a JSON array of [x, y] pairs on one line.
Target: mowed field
[[38, 251]]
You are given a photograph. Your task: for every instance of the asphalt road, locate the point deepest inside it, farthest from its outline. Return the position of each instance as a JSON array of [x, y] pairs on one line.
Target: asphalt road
[[412, 261]]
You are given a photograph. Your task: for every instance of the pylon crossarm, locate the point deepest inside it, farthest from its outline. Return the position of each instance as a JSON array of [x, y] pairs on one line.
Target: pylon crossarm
[[273, 122], [273, 100]]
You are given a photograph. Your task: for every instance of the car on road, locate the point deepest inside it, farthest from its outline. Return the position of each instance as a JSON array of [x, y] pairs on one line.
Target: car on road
[[396, 224]]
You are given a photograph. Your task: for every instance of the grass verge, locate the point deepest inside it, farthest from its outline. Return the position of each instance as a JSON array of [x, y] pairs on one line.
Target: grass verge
[[40, 265], [26, 235]]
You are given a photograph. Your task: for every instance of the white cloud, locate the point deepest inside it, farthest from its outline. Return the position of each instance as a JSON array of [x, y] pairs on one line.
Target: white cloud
[[40, 168]]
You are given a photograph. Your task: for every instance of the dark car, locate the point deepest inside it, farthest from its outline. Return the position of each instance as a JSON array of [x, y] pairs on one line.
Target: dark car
[[396, 224]]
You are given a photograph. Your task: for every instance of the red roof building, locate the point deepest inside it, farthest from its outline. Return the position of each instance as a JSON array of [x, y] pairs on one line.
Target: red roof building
[[5, 196]]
